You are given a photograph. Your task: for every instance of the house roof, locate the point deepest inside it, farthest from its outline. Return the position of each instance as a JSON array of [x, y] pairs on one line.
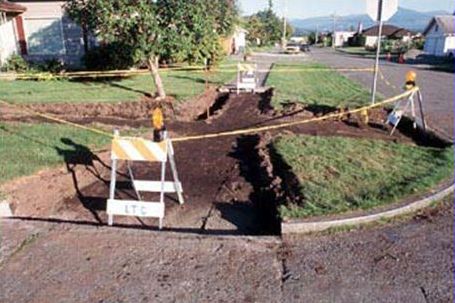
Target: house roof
[[387, 30], [8, 7], [446, 23]]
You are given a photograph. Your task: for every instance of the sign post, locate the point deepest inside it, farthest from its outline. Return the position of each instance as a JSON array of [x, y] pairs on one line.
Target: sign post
[[380, 10]]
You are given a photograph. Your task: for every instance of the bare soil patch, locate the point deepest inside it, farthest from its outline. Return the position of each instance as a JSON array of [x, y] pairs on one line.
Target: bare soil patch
[[228, 181]]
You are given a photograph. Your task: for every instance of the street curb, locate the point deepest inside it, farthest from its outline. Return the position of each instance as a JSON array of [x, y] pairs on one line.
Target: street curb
[[310, 227]]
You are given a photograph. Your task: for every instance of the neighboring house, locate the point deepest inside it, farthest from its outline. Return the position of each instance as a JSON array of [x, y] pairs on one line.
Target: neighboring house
[[388, 32], [45, 32], [239, 40], [8, 29], [342, 38], [440, 37], [235, 43]]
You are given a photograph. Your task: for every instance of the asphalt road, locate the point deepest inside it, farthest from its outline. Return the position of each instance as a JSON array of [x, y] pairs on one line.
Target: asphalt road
[[409, 261], [437, 87]]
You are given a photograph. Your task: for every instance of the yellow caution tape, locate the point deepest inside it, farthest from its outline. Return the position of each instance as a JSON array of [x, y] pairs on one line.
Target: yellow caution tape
[[227, 133], [288, 124], [125, 73], [52, 118]]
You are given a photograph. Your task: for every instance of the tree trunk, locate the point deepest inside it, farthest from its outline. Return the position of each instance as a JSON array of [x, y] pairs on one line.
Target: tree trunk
[[153, 66]]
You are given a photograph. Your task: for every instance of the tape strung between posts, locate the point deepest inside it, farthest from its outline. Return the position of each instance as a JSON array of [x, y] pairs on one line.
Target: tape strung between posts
[[52, 118], [228, 133], [288, 124], [196, 69]]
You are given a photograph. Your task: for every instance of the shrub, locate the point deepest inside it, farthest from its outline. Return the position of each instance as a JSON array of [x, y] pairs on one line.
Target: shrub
[[108, 57], [49, 66], [357, 41], [419, 44], [15, 63]]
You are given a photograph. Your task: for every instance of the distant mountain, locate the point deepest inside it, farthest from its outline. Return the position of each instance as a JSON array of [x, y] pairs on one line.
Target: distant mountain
[[410, 19]]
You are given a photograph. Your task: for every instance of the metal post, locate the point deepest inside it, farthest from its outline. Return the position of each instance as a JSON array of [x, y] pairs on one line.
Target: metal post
[[284, 26], [206, 67], [163, 180], [334, 29], [113, 182], [378, 52], [376, 66], [130, 171], [177, 188], [413, 113], [422, 115]]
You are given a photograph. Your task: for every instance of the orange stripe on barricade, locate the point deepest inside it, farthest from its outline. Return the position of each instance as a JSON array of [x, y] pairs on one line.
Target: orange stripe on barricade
[[141, 148], [117, 151], [138, 149]]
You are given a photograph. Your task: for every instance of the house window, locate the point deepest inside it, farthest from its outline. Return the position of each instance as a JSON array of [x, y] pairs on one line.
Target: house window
[[436, 29], [44, 36]]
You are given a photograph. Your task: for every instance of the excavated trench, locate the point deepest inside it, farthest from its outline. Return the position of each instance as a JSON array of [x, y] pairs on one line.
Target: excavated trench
[[232, 185]]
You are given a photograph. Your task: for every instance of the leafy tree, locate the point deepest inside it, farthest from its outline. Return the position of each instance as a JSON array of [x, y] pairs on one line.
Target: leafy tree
[[226, 15], [154, 30], [266, 26]]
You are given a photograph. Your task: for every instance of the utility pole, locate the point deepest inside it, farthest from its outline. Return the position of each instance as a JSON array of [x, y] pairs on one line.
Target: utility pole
[[284, 24], [317, 34], [378, 53], [334, 16]]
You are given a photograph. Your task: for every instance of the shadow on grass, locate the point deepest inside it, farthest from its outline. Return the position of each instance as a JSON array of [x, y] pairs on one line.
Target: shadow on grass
[[80, 155], [200, 80], [111, 81]]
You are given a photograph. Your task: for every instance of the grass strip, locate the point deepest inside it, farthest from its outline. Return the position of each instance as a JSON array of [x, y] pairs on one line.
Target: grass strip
[[182, 85], [316, 88], [27, 148], [336, 175]]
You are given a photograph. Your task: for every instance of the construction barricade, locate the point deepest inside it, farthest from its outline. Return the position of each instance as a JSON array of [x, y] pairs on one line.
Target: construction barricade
[[142, 150], [246, 77], [403, 106]]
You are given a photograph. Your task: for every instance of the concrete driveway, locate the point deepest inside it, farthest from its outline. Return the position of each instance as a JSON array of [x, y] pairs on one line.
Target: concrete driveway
[[437, 87]]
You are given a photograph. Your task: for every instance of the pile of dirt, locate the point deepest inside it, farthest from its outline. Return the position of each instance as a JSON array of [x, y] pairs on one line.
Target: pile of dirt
[[123, 110], [199, 105], [229, 182]]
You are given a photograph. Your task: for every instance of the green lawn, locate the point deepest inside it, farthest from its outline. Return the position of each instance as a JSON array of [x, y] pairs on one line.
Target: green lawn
[[359, 51], [336, 175], [262, 49], [180, 84], [27, 148], [315, 84]]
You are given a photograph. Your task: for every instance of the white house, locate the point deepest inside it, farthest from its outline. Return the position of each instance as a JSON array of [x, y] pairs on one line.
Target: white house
[[239, 40], [341, 38], [48, 33], [388, 32], [8, 29], [440, 37]]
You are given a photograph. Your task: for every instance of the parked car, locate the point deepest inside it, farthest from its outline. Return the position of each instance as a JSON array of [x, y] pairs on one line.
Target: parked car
[[305, 48], [292, 48]]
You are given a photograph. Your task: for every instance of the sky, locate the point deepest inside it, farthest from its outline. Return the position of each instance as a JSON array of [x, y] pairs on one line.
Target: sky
[[301, 9]]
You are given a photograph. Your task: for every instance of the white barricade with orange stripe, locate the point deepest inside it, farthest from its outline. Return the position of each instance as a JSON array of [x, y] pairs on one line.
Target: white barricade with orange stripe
[[142, 150]]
